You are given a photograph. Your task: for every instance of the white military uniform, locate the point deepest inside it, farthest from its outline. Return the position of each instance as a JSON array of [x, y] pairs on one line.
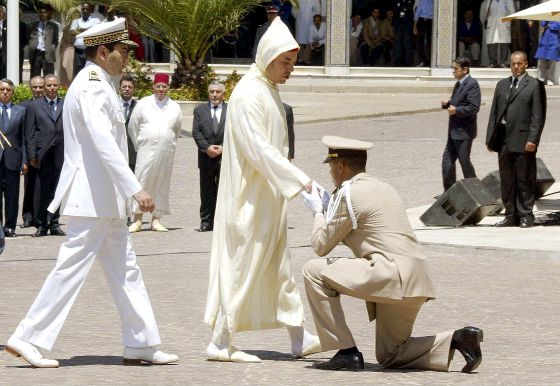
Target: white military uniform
[[93, 189]]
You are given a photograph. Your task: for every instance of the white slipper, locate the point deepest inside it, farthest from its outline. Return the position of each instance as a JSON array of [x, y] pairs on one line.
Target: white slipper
[[216, 353], [312, 348]]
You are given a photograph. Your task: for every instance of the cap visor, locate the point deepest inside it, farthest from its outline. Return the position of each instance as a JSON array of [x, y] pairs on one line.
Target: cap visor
[[129, 43]]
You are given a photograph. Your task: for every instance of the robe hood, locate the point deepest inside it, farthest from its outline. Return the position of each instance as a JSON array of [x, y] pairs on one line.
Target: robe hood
[[276, 40]]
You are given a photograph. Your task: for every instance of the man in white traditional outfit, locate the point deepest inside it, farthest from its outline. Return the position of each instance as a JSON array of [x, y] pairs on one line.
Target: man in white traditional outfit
[[153, 130], [497, 32], [93, 189], [251, 284]]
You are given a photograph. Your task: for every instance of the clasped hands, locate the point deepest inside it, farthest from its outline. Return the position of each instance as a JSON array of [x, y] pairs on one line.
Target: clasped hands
[[213, 151], [316, 198]]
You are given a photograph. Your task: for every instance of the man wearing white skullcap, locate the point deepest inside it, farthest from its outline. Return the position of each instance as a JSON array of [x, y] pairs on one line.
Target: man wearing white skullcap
[[251, 285]]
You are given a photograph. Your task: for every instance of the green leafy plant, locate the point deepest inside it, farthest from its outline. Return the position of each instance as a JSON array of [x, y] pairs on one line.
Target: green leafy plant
[[141, 72]]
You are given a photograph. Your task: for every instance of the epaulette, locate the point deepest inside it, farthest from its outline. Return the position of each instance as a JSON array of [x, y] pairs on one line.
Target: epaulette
[[94, 76]]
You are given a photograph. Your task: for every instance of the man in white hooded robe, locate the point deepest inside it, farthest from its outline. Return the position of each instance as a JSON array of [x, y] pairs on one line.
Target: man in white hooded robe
[[251, 284]]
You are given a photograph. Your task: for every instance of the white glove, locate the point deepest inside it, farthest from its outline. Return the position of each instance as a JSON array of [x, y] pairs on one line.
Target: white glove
[[325, 196], [313, 200]]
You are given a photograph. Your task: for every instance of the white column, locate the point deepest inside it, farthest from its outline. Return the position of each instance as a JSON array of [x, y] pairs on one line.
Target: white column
[[337, 46], [12, 40], [444, 33]]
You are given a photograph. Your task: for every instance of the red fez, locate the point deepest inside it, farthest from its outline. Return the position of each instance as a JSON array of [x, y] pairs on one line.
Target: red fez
[[161, 78]]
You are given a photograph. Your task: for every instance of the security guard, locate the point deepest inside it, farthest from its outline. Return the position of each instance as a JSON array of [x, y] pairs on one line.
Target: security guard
[[388, 271]]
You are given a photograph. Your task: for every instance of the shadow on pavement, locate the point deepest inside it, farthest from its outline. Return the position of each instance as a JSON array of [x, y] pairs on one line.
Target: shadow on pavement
[[92, 360]]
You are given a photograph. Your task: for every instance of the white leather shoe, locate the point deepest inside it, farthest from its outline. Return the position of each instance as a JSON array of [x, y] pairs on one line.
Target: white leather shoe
[[29, 352], [135, 356], [136, 226], [220, 354]]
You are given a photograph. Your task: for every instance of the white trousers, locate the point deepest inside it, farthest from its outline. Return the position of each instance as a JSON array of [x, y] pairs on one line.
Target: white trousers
[[89, 238]]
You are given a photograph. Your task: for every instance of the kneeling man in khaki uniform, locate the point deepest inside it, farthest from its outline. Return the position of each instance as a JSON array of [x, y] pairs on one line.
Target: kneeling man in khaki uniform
[[388, 271]]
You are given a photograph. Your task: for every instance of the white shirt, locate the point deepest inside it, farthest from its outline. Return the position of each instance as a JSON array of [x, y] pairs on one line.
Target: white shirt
[[217, 112], [41, 35], [318, 35], [83, 25]]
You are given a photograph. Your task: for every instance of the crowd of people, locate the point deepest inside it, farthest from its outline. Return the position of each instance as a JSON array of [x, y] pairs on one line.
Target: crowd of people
[[47, 43], [245, 149]]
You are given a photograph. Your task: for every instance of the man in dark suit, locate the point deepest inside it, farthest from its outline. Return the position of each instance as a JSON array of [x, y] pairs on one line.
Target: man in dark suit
[[515, 125], [42, 43], [126, 88], [12, 151], [291, 136], [31, 194], [208, 133], [45, 151], [463, 109]]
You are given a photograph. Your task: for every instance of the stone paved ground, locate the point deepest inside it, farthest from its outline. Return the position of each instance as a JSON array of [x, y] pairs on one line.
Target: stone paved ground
[[513, 299]]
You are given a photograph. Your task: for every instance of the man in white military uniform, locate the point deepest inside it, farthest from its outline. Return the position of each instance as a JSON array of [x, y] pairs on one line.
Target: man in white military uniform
[[388, 271], [94, 186]]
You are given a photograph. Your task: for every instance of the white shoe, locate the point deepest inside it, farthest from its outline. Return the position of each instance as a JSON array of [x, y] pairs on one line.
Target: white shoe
[[312, 348], [135, 356], [29, 352], [136, 226], [218, 353]]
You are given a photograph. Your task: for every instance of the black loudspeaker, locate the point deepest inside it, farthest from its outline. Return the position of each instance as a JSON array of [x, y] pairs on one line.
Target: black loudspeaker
[[465, 203], [492, 182], [544, 178], [544, 181]]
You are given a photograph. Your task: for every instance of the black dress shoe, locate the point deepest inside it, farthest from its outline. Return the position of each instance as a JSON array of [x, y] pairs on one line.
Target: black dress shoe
[[467, 341], [9, 232], [507, 222], [354, 361], [56, 231], [41, 231], [526, 223], [26, 224], [205, 228]]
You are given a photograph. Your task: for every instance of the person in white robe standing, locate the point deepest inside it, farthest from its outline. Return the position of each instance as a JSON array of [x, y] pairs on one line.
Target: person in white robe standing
[[251, 284], [93, 189], [153, 129], [497, 32]]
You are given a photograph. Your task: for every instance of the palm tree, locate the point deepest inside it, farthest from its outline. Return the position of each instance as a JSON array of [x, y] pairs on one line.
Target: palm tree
[[188, 28]]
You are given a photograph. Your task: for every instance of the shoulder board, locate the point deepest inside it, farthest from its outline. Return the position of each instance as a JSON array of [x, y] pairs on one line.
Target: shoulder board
[[94, 76]]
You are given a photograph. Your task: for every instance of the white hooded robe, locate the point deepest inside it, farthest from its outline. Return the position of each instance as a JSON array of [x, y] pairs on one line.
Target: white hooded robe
[[251, 285]]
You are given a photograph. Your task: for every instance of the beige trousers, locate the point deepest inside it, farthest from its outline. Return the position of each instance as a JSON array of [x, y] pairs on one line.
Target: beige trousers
[[395, 348]]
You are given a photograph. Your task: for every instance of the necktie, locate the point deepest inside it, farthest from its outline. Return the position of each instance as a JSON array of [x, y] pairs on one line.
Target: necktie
[[515, 81], [53, 109], [215, 118], [455, 88], [125, 105], [5, 119]]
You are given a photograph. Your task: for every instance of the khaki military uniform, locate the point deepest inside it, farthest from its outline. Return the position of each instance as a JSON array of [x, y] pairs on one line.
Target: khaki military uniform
[[389, 272]]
